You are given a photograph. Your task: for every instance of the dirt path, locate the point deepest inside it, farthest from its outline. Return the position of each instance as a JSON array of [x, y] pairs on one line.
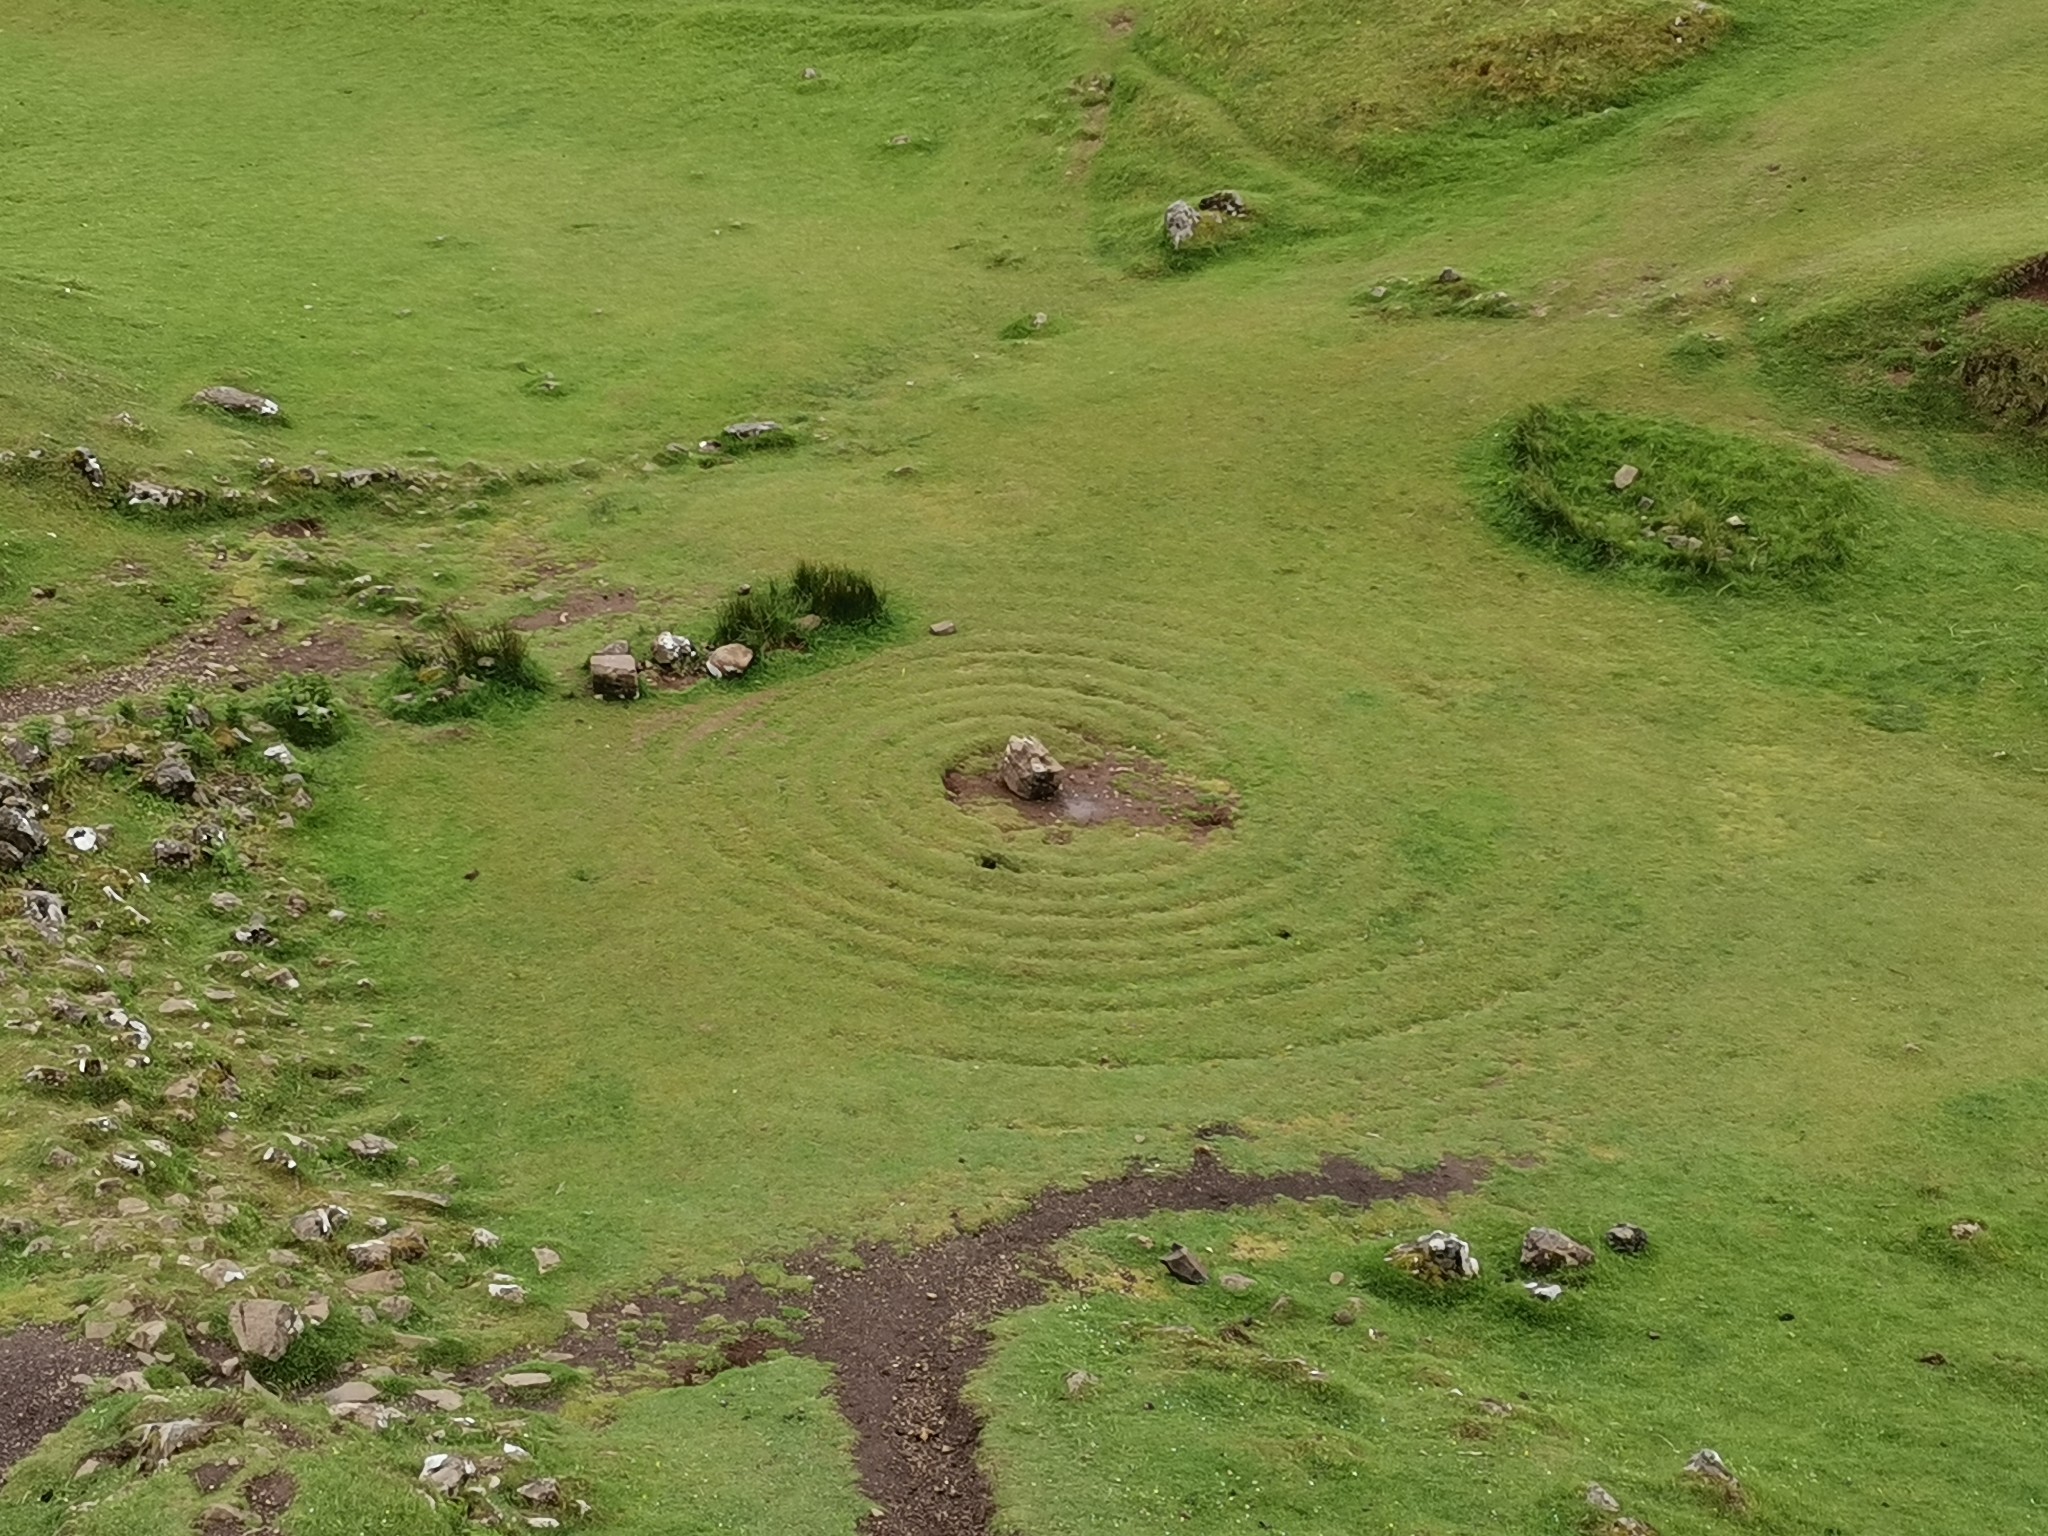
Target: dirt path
[[905, 1331], [234, 646], [37, 1394]]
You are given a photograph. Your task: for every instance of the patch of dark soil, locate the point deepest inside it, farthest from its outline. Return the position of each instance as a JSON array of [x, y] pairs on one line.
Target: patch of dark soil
[[905, 1330], [271, 1494], [37, 1394], [1121, 787], [297, 528], [214, 1475], [577, 607], [2028, 280], [236, 650]]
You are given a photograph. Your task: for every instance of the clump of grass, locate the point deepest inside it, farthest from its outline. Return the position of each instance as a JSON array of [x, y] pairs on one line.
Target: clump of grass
[[464, 669], [763, 620], [1709, 504], [304, 709], [838, 594], [1449, 293], [2004, 368]]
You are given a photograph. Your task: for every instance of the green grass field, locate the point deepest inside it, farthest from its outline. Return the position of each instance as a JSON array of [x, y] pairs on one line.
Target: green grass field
[[1696, 888]]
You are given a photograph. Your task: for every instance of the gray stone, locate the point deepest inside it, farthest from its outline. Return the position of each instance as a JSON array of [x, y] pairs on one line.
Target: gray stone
[[1626, 476], [672, 652], [1438, 1258], [1180, 223], [1237, 1285], [1707, 1467], [945, 627], [613, 676], [1185, 1267], [45, 912], [173, 780], [1080, 1383], [370, 1146], [1547, 1250], [158, 1443], [440, 1398], [526, 1381], [319, 1224], [1028, 770], [1600, 1499], [264, 1329], [729, 660], [747, 431], [21, 838], [544, 1491], [237, 402], [1628, 1238], [173, 853]]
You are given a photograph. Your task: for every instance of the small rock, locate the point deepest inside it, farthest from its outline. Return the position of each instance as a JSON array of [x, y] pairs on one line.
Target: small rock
[[729, 660], [506, 1291], [1080, 1383], [747, 431], [526, 1381], [1541, 1291], [1180, 223], [1436, 1259], [1707, 1467], [672, 651], [1237, 1285], [483, 1237], [1600, 1499], [1547, 1250], [1628, 1238], [395, 1309], [614, 676], [221, 1273], [353, 1392], [174, 853], [238, 402], [1028, 770], [22, 838], [945, 627], [444, 1472], [1964, 1231], [1450, 275], [173, 780], [158, 1443], [545, 1259], [1349, 1313], [319, 1224], [372, 1146], [1185, 1267], [1626, 476], [440, 1398], [1283, 1306]]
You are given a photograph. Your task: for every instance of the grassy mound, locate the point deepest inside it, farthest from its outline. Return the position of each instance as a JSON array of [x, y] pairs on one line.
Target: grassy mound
[[1958, 352], [1710, 504], [1322, 81]]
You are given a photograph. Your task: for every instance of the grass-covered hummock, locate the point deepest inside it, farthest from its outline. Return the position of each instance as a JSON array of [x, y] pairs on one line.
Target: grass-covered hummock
[[1619, 490]]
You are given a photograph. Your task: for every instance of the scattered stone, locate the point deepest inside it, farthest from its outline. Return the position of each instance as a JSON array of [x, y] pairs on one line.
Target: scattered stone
[[373, 1253], [1237, 1285], [158, 1443], [672, 652], [483, 1237], [88, 467], [526, 1381], [545, 1492], [545, 1259], [747, 431], [444, 1472], [1602, 1500], [376, 1282], [810, 623], [1349, 1313], [1626, 476], [1283, 1306], [1226, 202], [1080, 1383], [1964, 1231], [1180, 223], [945, 627], [370, 1147], [1028, 771], [580, 1321], [1541, 1291], [395, 1309], [1436, 1259], [22, 838], [1547, 1250], [264, 1329], [422, 1197], [221, 1273], [1185, 1267], [1707, 1468], [440, 1398], [84, 839], [614, 676], [507, 1291], [1450, 276], [319, 1224], [173, 780], [1628, 1238], [45, 912], [237, 402], [174, 853], [729, 660], [353, 1392]]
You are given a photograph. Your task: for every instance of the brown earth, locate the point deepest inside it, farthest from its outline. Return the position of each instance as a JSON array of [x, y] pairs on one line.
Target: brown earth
[[37, 1394], [577, 607], [1116, 787], [271, 1494], [233, 650], [905, 1330]]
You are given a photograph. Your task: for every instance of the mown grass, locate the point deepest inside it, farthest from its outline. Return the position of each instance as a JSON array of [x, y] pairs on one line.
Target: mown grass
[[1625, 875]]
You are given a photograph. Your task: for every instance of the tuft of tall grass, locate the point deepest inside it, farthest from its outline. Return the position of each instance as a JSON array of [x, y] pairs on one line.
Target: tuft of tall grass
[[764, 619], [463, 668], [838, 594]]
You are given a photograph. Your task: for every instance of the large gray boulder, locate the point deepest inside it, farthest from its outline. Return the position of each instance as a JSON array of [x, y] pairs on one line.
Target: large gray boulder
[[264, 1329], [1028, 770], [730, 660], [614, 676]]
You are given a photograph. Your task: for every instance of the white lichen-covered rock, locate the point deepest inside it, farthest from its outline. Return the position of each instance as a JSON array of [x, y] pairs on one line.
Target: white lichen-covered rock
[[1440, 1258], [237, 402], [1028, 770]]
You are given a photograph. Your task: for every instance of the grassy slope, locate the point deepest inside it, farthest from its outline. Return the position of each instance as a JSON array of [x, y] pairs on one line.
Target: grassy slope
[[1570, 868]]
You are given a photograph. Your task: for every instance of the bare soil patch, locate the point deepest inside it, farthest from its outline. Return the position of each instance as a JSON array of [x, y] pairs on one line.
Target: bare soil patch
[[1862, 460], [1117, 787], [904, 1331], [234, 650], [271, 1494], [577, 607], [37, 1394], [297, 528]]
